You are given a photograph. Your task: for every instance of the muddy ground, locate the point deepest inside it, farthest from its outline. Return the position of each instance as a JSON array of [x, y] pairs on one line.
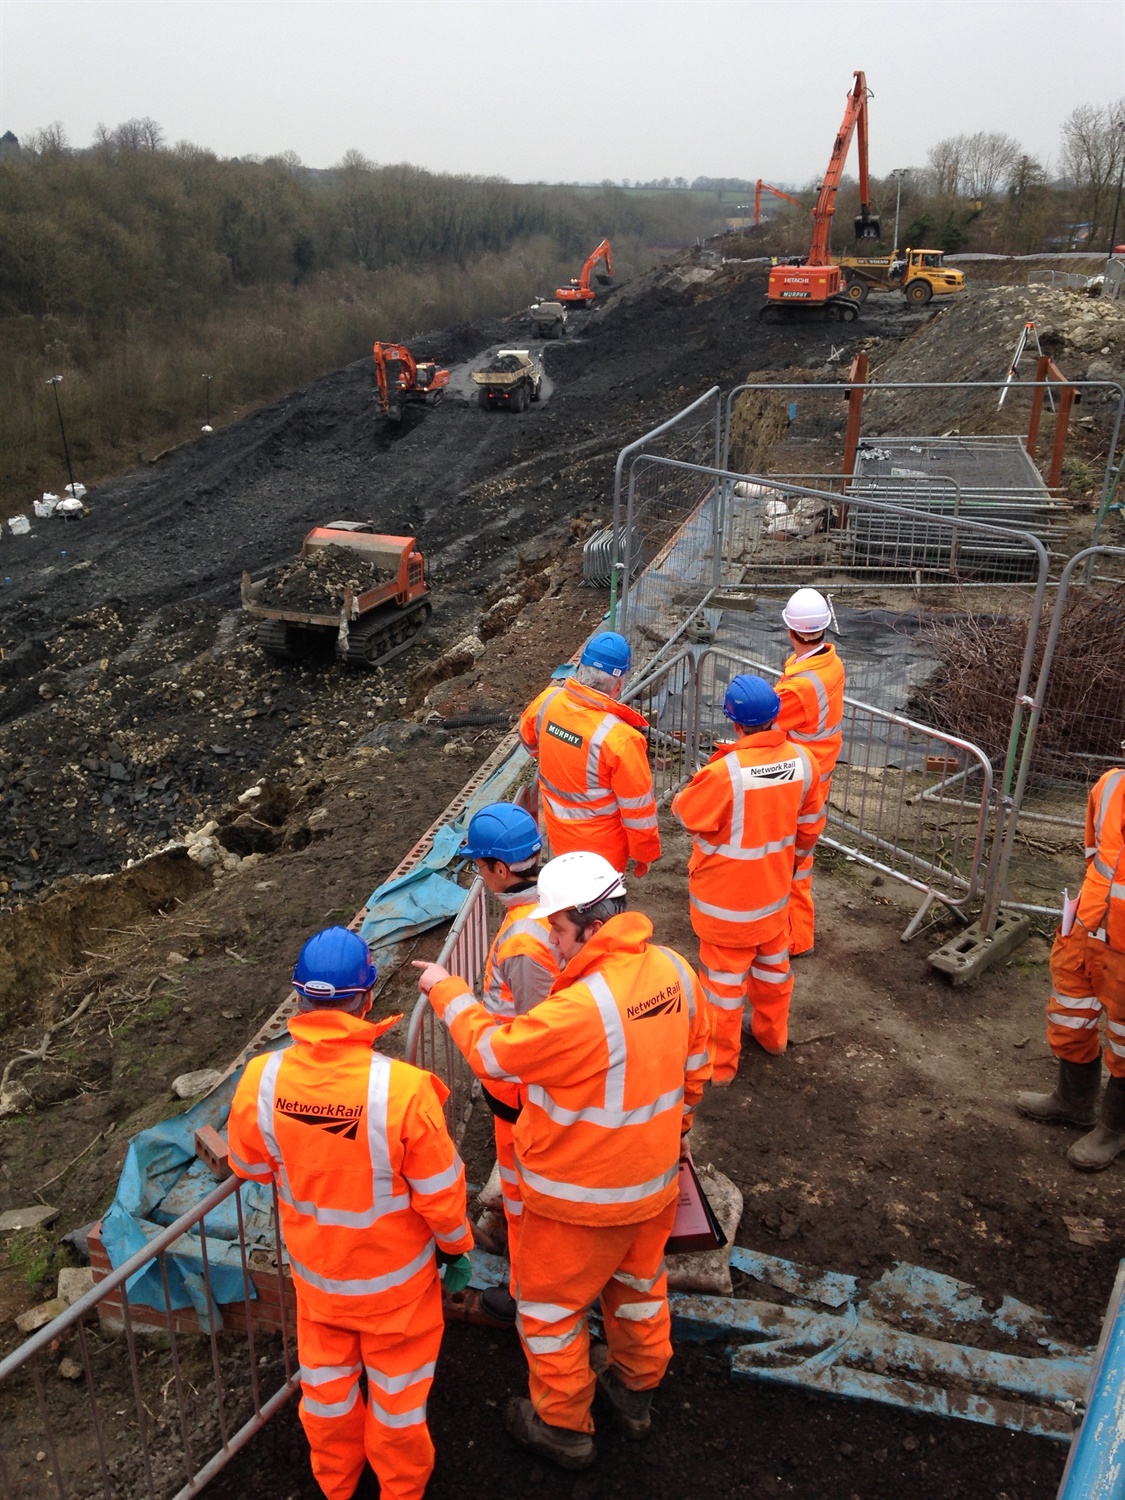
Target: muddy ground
[[134, 692]]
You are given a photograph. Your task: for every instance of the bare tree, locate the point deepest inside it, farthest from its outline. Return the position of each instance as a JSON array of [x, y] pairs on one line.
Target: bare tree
[[50, 141], [946, 163], [1093, 159], [1025, 216], [989, 157], [139, 135]]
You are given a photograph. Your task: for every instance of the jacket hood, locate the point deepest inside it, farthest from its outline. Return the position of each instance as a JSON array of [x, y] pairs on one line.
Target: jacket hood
[[627, 932], [322, 1025], [592, 698]]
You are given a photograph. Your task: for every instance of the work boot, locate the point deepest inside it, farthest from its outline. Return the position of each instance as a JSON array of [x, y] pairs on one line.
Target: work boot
[[631, 1409], [499, 1303], [570, 1450], [1094, 1152], [1072, 1101]]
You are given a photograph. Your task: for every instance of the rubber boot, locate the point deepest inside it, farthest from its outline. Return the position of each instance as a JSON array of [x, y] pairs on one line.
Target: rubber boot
[[568, 1449], [632, 1410], [1094, 1152], [1072, 1101]]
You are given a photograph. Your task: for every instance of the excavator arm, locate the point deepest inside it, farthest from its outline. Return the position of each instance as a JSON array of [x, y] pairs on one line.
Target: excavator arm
[[867, 224], [761, 187], [603, 252], [403, 372]]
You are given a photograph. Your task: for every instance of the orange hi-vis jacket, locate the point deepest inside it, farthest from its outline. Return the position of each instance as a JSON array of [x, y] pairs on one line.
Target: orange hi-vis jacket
[[593, 772], [519, 971], [1101, 904], [811, 690], [751, 811], [612, 1065], [367, 1176]]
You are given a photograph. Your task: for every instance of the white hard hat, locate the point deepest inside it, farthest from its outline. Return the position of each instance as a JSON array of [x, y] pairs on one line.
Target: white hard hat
[[807, 612], [580, 878]]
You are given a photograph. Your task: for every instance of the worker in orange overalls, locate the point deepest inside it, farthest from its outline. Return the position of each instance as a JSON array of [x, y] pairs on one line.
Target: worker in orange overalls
[[594, 774], [1087, 979], [504, 842], [612, 1065], [372, 1196], [754, 809], [812, 715]]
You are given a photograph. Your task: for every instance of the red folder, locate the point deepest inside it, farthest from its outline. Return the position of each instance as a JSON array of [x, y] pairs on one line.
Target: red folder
[[695, 1226]]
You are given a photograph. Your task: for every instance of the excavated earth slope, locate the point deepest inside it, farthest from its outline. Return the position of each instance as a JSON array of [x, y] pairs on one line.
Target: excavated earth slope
[[135, 707]]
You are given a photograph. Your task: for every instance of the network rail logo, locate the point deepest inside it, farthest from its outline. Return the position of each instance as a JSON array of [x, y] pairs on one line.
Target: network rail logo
[[337, 1119]]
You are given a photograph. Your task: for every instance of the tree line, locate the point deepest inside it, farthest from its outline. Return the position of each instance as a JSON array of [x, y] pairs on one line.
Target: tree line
[[133, 266]]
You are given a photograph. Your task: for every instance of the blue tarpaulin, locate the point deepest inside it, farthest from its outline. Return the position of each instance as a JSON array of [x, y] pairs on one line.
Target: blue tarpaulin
[[162, 1178]]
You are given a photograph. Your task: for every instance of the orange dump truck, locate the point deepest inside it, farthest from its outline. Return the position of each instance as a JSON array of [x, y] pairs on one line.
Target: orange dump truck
[[351, 589]]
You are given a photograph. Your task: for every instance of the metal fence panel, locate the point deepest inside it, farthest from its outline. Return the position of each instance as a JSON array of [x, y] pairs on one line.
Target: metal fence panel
[[161, 1422]]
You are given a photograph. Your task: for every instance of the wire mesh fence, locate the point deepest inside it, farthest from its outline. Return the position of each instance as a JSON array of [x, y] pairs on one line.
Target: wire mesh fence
[[153, 1398]]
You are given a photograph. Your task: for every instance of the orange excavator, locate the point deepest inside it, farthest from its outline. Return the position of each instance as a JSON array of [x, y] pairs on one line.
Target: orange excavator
[[580, 292], [813, 290], [761, 187], [404, 382]]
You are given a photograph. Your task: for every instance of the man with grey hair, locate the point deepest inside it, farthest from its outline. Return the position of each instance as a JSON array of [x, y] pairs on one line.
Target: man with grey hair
[[594, 775]]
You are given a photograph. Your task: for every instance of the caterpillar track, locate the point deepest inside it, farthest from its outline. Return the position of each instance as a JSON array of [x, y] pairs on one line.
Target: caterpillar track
[[371, 642], [836, 310]]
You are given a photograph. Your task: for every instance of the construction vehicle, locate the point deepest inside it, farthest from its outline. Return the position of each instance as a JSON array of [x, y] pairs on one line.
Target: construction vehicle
[[368, 624], [403, 382], [580, 292], [511, 379], [761, 187], [548, 320], [813, 290], [918, 274]]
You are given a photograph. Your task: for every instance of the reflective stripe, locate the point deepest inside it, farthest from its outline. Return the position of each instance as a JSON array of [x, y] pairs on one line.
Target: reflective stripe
[[393, 1384], [1116, 1047], [457, 1007], [638, 1283], [1115, 1026], [769, 976], [1117, 891], [267, 1092], [396, 1418], [439, 1180], [1108, 790], [615, 1042], [696, 1060], [730, 914], [542, 714], [488, 1057], [602, 797], [773, 958], [513, 1206], [646, 822], [718, 976], [259, 1174], [594, 753], [686, 979], [809, 818], [736, 851], [322, 1374], [446, 1239], [546, 1312], [636, 802], [1075, 1023], [1081, 1002], [1091, 850], [331, 1408], [722, 1002], [1103, 868], [639, 1312], [507, 1175], [365, 1286], [566, 814], [803, 872], [610, 1119], [551, 1343], [572, 1193]]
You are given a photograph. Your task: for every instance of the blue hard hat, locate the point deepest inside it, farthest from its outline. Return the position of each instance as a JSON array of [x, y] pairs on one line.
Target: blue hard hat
[[609, 652], [502, 831], [334, 965], [750, 701]]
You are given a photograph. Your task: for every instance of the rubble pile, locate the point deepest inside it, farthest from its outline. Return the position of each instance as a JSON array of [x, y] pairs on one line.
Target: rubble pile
[[316, 583]]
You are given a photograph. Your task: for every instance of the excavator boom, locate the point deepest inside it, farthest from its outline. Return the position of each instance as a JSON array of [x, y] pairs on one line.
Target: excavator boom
[[761, 187], [580, 290]]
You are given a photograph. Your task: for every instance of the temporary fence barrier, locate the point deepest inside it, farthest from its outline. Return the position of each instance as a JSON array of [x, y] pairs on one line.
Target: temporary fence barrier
[[1096, 1460], [146, 1427], [693, 434]]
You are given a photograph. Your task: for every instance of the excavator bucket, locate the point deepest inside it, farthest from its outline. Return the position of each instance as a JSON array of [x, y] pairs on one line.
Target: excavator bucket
[[867, 228], [602, 279]]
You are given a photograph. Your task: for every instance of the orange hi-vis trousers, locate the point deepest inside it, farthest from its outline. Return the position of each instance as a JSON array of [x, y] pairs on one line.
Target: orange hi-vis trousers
[[563, 1269], [759, 974], [802, 914], [1087, 979], [509, 1189], [388, 1430]]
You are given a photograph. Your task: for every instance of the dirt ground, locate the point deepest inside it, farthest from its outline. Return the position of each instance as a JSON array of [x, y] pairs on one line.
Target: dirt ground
[[135, 706]]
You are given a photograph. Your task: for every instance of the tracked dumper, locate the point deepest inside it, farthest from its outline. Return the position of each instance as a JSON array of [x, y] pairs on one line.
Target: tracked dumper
[[350, 585]]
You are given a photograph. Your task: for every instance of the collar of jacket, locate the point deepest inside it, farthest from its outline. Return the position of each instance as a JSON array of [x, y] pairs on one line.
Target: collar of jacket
[[627, 932], [590, 697], [313, 1026], [512, 900], [763, 739], [826, 648]]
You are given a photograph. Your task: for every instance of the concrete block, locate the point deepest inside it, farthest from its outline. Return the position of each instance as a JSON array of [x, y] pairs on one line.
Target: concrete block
[[75, 1282], [192, 1085], [39, 1317], [35, 1217], [968, 954]]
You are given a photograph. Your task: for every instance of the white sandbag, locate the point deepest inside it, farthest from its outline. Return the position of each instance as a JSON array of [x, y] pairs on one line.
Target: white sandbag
[[708, 1271], [20, 525], [75, 491], [45, 507]]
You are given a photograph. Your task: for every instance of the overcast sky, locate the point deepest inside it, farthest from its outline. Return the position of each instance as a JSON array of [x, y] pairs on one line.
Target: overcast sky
[[562, 90]]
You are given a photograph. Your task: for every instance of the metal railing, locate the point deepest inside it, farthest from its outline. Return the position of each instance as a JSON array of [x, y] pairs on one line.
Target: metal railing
[[142, 1430]]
